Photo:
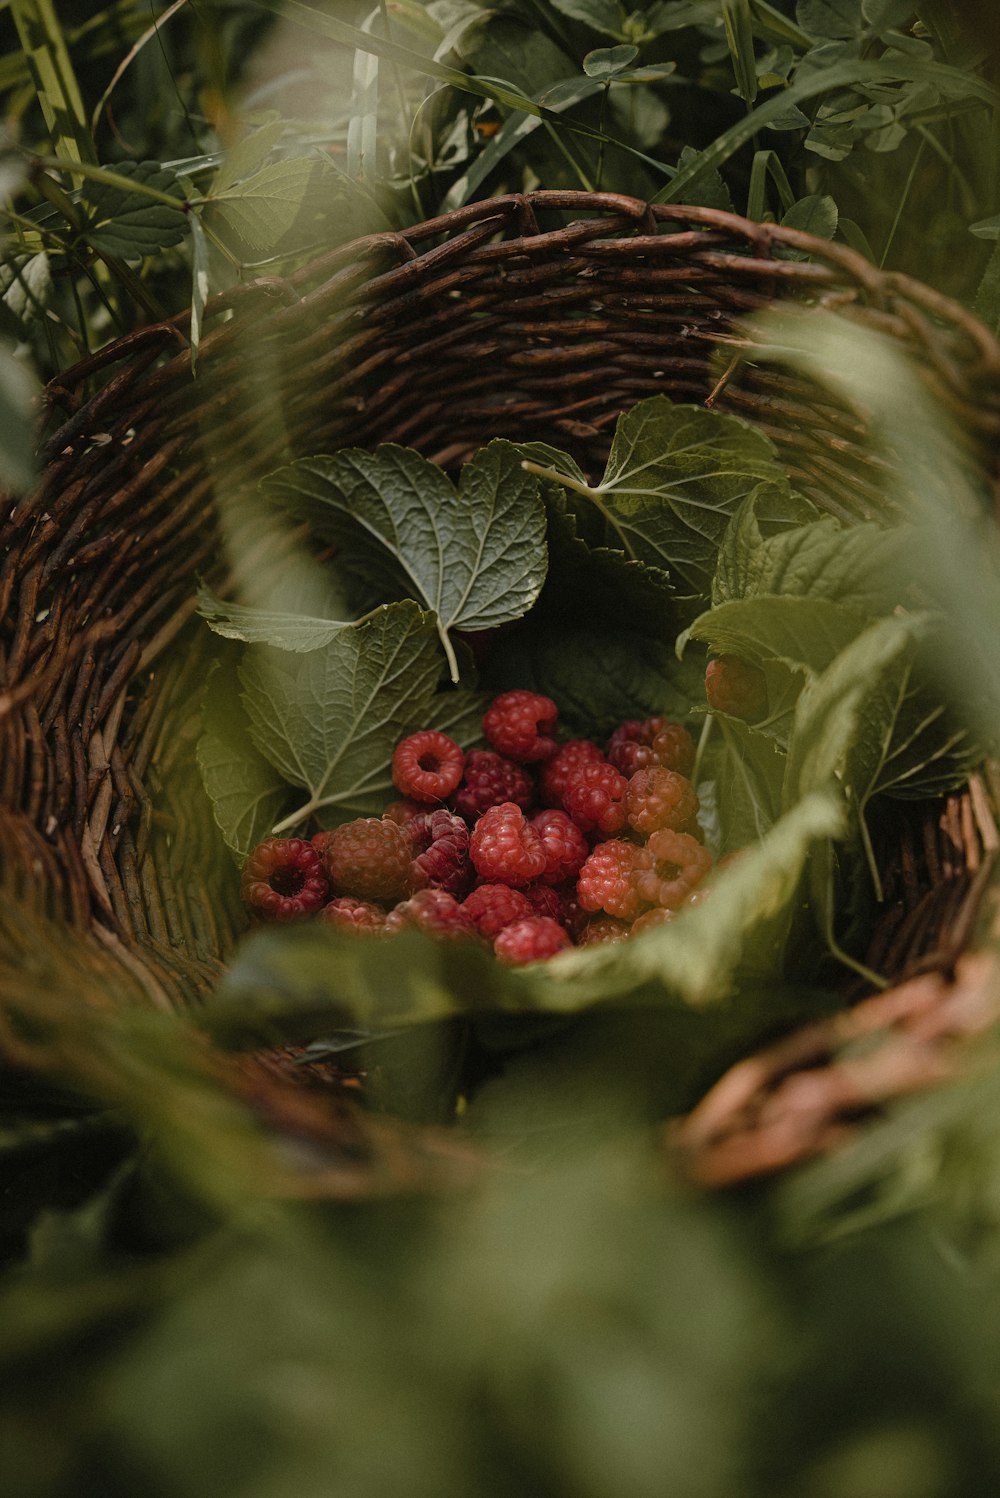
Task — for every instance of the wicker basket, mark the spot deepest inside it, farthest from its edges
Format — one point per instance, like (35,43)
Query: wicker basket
(526,317)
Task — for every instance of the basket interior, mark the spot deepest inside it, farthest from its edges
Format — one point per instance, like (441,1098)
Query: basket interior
(538,318)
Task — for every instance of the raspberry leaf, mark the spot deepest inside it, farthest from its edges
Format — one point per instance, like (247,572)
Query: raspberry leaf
(328,720)
(855,567)
(674,478)
(246,792)
(475,556)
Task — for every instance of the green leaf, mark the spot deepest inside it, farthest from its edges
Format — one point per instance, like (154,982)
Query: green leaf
(600,677)
(329,720)
(881,14)
(128,224)
(804,633)
(476,556)
(18,391)
(246,792)
(236,621)
(605,16)
(986,228)
(833,716)
(263,208)
(199,285)
(675,476)
(710,189)
(858,567)
(747,769)
(833,18)
(608,62)
(816,214)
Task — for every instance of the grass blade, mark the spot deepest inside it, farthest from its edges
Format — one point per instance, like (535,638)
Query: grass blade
(739,35)
(828,81)
(44,45)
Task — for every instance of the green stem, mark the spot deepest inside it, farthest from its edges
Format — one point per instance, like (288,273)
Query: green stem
(706,734)
(109,178)
(292,820)
(449,651)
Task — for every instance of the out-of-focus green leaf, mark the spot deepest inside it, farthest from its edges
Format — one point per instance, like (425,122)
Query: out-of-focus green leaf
(129,224)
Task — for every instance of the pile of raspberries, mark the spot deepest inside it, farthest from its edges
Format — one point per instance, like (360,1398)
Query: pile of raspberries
(533,845)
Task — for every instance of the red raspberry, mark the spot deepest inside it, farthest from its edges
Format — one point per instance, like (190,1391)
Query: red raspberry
(567,759)
(490,780)
(669,867)
(559,903)
(445,862)
(734,686)
(603,928)
(531,940)
(284,879)
(348,914)
(521,724)
(427,766)
(660,798)
(433,911)
(607,880)
(674,747)
(491,907)
(594,798)
(370,858)
(564,844)
(655,741)
(505,848)
(404,813)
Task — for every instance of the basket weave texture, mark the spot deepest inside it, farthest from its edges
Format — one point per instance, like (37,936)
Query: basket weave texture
(528,317)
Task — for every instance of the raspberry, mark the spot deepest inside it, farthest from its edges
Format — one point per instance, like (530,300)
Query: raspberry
(607,880)
(370,858)
(530,940)
(505,848)
(405,813)
(489,780)
(656,741)
(602,928)
(670,866)
(674,747)
(520,725)
(491,907)
(656,798)
(559,904)
(433,911)
(427,766)
(594,796)
(348,914)
(658,916)
(568,758)
(444,863)
(734,686)
(564,844)
(284,879)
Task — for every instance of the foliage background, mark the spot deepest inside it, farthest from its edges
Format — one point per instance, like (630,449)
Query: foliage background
(183,1309)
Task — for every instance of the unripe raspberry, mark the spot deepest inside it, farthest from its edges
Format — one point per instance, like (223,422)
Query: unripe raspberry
(568,758)
(505,848)
(656,798)
(594,797)
(490,780)
(674,747)
(658,916)
(669,867)
(564,844)
(736,687)
(531,940)
(491,907)
(427,766)
(603,928)
(521,725)
(370,858)
(284,879)
(607,880)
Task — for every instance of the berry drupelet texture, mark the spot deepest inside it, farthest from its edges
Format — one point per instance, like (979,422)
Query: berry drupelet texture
(444,861)
(521,726)
(531,940)
(358,916)
(594,797)
(491,907)
(427,766)
(607,880)
(490,780)
(370,858)
(505,848)
(657,798)
(736,687)
(564,845)
(284,879)
(568,758)
(432,911)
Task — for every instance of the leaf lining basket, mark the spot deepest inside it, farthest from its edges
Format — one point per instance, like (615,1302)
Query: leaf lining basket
(537,317)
